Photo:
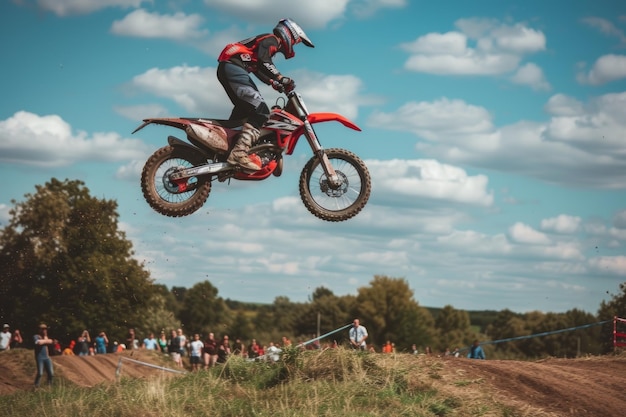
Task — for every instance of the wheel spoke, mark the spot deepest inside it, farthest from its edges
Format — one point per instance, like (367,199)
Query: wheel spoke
(345,196)
(167,190)
(174,198)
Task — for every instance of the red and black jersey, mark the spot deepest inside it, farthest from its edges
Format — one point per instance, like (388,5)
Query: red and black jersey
(254,55)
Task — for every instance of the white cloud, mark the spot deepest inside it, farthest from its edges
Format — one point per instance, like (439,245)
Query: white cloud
(130,171)
(141,111)
(614,265)
(599,129)
(74,7)
(530,74)
(4,214)
(368,8)
(195,89)
(308,14)
(619,220)
(333,93)
(49,141)
(522,233)
(563,105)
(442,120)
(563,224)
(577,138)
(474,243)
(499,49)
(143,24)
(605,26)
(607,68)
(428,179)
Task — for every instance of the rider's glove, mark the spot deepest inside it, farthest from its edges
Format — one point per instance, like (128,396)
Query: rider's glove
(285,84)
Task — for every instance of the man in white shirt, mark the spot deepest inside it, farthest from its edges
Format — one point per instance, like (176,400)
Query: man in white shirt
(5,338)
(358,334)
(273,352)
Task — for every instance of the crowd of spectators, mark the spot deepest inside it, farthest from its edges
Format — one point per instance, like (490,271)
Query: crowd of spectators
(206,352)
(199,352)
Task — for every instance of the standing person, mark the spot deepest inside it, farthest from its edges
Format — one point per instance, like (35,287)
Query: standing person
(273,352)
(195,352)
(286,342)
(358,335)
(173,349)
(150,342)
(132,343)
(223,350)
(183,342)
(162,342)
(253,349)
(101,343)
(42,355)
(254,55)
(240,349)
(414,350)
(5,338)
(476,351)
(16,339)
(210,351)
(83,343)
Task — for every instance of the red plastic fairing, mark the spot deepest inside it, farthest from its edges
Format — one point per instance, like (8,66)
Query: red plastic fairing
(319,118)
(327,117)
(263,173)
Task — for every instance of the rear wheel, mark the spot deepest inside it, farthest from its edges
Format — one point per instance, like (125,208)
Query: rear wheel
(174,199)
(335,203)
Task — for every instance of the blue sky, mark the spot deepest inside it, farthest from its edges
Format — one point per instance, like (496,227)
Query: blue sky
(493,131)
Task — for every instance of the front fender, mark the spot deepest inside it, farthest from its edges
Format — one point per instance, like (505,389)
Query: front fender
(328,117)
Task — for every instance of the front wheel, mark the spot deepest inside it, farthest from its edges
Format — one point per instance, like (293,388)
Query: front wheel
(335,203)
(174,199)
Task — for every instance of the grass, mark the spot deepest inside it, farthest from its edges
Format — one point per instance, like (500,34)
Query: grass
(312,383)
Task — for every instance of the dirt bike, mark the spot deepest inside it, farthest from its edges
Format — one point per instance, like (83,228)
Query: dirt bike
(176,180)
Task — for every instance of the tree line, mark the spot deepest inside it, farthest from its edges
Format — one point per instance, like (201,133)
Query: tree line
(66,263)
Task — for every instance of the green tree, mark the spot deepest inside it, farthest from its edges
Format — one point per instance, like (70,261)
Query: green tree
(157,317)
(453,327)
(507,324)
(66,262)
(389,312)
(242,327)
(333,312)
(202,309)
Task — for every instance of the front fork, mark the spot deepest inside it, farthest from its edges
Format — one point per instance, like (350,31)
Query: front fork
(311,137)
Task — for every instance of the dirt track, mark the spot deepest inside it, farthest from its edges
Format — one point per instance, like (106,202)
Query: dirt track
(559,387)
(554,387)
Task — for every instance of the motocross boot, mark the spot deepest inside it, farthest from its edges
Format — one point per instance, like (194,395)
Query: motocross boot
(239,155)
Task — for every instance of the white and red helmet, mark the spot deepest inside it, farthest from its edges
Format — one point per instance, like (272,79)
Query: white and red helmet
(290,34)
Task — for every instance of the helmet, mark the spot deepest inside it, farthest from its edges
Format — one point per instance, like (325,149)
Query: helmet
(290,34)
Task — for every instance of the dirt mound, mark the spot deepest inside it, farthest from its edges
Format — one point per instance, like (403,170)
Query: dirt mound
(17,368)
(554,387)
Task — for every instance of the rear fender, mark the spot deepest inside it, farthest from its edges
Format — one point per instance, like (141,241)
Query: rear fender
(177,122)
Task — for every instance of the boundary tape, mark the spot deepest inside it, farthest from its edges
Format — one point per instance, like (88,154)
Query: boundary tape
(118,370)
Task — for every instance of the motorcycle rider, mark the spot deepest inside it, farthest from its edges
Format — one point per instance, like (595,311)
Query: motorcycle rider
(254,55)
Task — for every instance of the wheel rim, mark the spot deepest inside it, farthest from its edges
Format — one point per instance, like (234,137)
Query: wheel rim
(174,191)
(339,197)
